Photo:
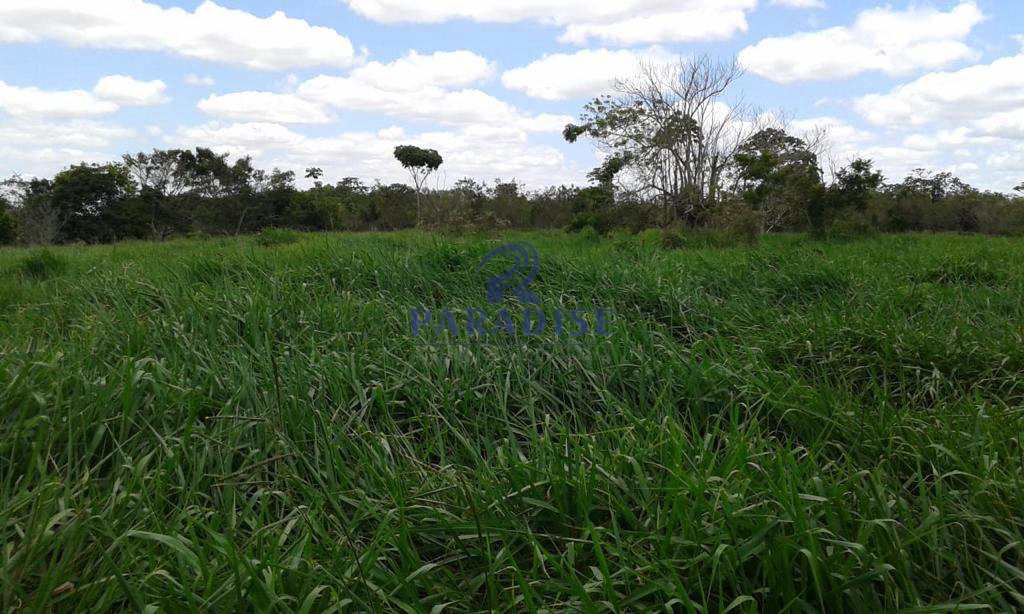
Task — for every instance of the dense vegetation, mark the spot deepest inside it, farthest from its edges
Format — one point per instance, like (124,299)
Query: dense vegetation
(776,187)
(225,424)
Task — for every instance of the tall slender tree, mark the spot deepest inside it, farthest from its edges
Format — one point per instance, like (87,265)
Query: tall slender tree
(420,163)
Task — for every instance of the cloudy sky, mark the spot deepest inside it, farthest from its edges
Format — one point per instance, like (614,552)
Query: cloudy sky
(490,83)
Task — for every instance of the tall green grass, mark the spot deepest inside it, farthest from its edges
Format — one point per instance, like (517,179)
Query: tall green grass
(247,425)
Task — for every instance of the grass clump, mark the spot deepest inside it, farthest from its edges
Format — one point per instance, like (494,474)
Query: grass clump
(963,273)
(274,237)
(204,426)
(41,265)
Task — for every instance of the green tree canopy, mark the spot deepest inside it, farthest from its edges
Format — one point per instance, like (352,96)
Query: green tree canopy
(418,159)
(778,175)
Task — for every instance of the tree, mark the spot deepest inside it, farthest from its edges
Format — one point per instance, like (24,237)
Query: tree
(208,174)
(855,184)
(604,175)
(315,173)
(159,176)
(939,201)
(159,173)
(420,163)
(672,130)
(935,187)
(1019,188)
(84,195)
(778,175)
(849,195)
(29,203)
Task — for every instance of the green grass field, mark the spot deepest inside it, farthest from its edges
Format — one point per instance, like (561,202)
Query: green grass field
(248,425)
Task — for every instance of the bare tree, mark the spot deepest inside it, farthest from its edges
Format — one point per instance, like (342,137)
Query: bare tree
(674,131)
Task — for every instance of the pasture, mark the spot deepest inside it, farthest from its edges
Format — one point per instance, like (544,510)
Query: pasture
(249,424)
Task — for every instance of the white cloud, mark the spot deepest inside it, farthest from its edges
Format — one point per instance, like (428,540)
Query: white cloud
(881,39)
(77,133)
(838,132)
(972,93)
(1009,161)
(211,32)
(264,107)
(977,116)
(199,81)
(415,71)
(47,160)
(250,138)
(800,4)
(450,107)
(108,96)
(703,22)
(414,88)
(946,139)
(39,148)
(20,101)
(560,76)
(130,92)
(1009,125)
(624,22)
(461,107)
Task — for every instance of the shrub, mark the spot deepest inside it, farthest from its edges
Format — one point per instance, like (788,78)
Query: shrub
(272,237)
(679,237)
(589,234)
(649,238)
(601,223)
(738,222)
(41,265)
(671,238)
(393,206)
(1001,217)
(849,224)
(8,229)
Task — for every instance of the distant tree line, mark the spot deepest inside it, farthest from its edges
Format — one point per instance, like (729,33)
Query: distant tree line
(673,142)
(675,155)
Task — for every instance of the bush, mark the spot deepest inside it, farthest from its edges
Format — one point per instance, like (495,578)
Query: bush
(394,206)
(679,237)
(589,234)
(8,229)
(738,222)
(849,224)
(272,237)
(671,238)
(649,238)
(41,265)
(601,223)
(1001,217)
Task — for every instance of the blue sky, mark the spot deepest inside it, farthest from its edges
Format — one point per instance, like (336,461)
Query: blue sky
(338,83)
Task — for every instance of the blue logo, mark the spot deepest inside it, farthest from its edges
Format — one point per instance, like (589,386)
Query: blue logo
(526,265)
(532,320)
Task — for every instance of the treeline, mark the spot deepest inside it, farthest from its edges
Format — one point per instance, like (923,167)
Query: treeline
(775,185)
(180,192)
